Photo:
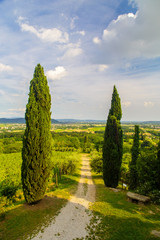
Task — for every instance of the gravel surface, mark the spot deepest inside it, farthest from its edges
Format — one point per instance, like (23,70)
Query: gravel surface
(75,216)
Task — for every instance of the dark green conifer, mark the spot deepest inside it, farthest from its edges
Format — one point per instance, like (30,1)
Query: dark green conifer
(133,164)
(158,151)
(116,109)
(36,150)
(158,167)
(113,143)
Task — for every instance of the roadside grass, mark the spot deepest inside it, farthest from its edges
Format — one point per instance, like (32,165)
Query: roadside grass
(22,221)
(115,218)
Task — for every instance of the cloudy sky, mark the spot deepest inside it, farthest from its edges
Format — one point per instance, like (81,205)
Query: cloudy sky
(85,47)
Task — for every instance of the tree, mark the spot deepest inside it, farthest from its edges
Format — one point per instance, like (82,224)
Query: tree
(116,109)
(158,166)
(36,150)
(133,182)
(113,143)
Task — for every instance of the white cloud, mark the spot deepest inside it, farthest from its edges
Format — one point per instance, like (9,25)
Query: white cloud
(132,35)
(17,110)
(126,104)
(58,73)
(148,104)
(72,24)
(96,40)
(45,34)
(71,53)
(2,93)
(81,33)
(102,67)
(5,68)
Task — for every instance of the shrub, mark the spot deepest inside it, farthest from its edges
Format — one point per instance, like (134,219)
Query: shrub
(148,175)
(8,189)
(96,162)
(67,162)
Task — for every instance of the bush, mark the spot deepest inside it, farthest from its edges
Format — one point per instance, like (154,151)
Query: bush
(9,191)
(68,162)
(68,167)
(147,168)
(96,162)
(155,196)
(148,175)
(4,202)
(2,216)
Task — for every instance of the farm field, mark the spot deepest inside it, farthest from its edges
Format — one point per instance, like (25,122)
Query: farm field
(68,143)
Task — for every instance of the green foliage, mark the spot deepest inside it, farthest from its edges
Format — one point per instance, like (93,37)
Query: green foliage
(116,105)
(36,151)
(8,191)
(127,147)
(124,170)
(112,152)
(148,144)
(13,147)
(76,141)
(133,179)
(148,173)
(66,162)
(97,162)
(65,143)
(158,152)
(10,145)
(10,169)
(112,148)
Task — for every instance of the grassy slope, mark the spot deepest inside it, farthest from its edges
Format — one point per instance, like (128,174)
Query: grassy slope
(23,220)
(121,219)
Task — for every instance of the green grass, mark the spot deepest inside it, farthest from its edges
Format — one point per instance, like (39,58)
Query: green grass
(121,219)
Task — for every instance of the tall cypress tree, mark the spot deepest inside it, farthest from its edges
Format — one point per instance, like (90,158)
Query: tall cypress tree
(158,166)
(36,150)
(113,143)
(133,164)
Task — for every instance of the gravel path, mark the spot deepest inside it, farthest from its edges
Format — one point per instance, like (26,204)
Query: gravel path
(74,217)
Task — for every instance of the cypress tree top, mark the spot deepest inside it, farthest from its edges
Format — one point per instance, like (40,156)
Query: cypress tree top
(116,109)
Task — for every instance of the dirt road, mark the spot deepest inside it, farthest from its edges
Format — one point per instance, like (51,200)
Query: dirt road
(73,218)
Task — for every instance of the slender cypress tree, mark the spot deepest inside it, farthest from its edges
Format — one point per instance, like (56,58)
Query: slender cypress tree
(158,151)
(36,150)
(116,109)
(158,167)
(133,182)
(113,143)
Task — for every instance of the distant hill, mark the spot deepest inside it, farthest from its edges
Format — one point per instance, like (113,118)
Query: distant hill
(79,121)
(142,122)
(72,121)
(19,120)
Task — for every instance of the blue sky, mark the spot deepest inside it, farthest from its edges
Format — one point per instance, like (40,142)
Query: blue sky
(85,47)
